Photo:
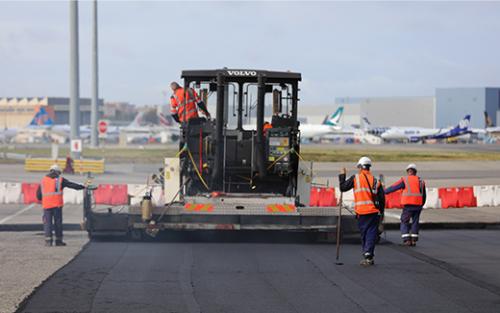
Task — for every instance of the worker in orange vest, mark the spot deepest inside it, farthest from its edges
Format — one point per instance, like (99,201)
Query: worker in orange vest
(369,203)
(184,104)
(266,126)
(50,192)
(413,199)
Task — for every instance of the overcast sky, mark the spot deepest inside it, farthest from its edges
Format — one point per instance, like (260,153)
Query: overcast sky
(341,49)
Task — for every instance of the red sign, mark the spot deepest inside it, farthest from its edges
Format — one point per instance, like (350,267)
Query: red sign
(102,126)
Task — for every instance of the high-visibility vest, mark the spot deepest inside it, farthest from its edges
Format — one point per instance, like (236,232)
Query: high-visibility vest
(52,192)
(266,127)
(413,194)
(186,110)
(363,195)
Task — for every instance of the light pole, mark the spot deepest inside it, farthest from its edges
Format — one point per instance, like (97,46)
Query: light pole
(74,80)
(94,111)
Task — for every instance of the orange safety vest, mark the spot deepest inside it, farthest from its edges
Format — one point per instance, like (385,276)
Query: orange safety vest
(266,127)
(413,193)
(52,192)
(363,195)
(186,110)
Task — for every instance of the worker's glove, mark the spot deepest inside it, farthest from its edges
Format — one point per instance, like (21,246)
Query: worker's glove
(91,187)
(176,117)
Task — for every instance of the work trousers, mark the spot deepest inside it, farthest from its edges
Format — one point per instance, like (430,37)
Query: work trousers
(410,222)
(368,226)
(52,220)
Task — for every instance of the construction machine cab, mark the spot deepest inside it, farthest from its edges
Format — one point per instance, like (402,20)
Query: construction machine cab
(238,152)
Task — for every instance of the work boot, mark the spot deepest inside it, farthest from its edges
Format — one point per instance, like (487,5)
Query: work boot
(368,259)
(60,243)
(48,242)
(407,243)
(413,243)
(367,262)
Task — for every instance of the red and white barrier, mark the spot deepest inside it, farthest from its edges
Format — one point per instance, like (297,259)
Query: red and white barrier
(496,196)
(29,192)
(12,193)
(393,200)
(72,196)
(314,196)
(449,197)
(466,197)
(347,197)
(136,192)
(123,194)
(485,195)
(119,195)
(157,196)
(432,200)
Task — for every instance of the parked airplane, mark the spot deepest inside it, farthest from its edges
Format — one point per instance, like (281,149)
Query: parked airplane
(331,124)
(7,134)
(374,130)
(416,134)
(163,132)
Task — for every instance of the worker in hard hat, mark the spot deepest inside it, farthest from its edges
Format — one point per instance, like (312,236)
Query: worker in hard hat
(184,104)
(413,199)
(369,202)
(50,192)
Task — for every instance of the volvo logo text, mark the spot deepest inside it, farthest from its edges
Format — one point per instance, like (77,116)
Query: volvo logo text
(242,73)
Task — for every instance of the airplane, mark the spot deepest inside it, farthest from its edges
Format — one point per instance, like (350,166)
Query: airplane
(331,124)
(137,132)
(417,134)
(37,129)
(374,130)
(7,134)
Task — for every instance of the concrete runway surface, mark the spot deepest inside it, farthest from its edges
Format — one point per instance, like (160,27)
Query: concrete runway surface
(449,271)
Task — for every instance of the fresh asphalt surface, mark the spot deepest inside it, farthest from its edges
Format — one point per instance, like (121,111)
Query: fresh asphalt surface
(449,271)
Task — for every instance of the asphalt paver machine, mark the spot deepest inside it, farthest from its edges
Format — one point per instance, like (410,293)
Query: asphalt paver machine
(241,170)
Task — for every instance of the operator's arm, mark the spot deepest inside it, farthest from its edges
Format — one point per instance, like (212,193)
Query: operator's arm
(201,104)
(346,185)
(71,185)
(39,193)
(203,108)
(424,193)
(400,184)
(380,198)
(173,109)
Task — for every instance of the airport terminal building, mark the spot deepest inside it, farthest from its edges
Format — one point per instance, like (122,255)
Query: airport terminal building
(18,112)
(445,109)
(454,103)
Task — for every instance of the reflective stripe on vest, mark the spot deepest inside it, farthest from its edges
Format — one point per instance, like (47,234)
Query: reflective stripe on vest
(413,191)
(363,195)
(52,192)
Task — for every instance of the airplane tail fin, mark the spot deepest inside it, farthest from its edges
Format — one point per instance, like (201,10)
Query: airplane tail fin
(487,120)
(137,120)
(366,123)
(164,120)
(41,118)
(334,119)
(464,123)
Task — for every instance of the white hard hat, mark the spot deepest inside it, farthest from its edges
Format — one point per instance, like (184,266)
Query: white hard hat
(411,166)
(364,161)
(55,168)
